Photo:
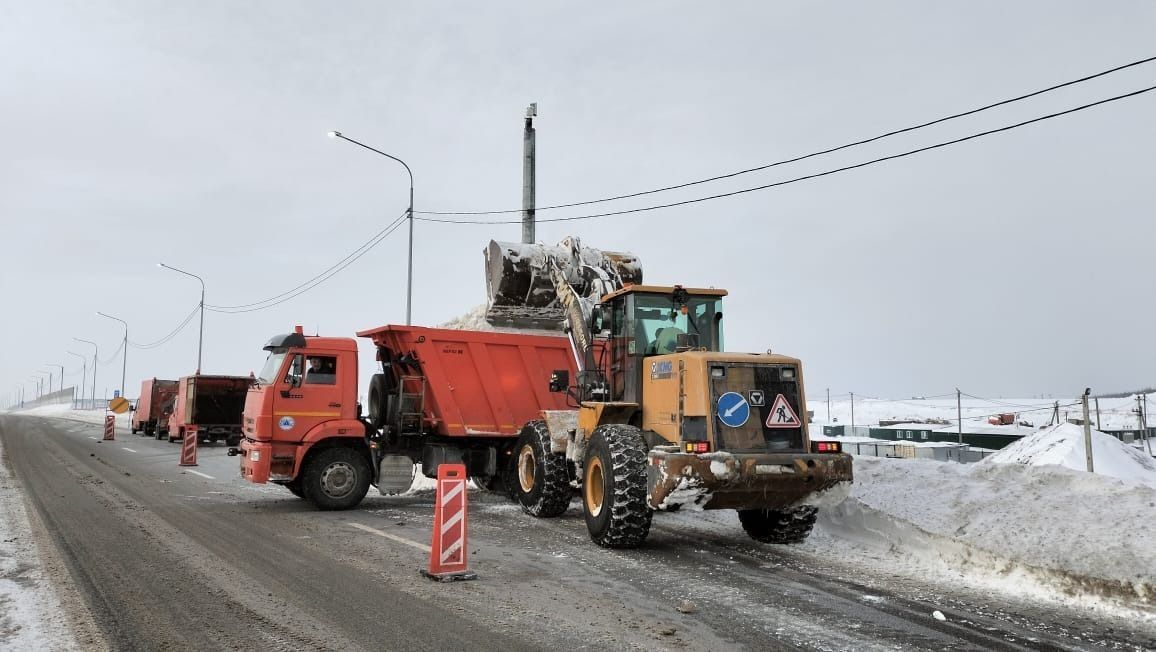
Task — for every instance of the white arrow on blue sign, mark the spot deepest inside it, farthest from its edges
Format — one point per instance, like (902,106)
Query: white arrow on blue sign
(733,409)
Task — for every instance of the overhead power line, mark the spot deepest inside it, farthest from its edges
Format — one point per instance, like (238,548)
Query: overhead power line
(112,356)
(809,176)
(329,273)
(164,340)
(796,159)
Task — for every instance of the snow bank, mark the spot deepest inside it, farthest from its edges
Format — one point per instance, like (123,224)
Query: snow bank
(1063,445)
(1046,528)
(31,616)
(66,412)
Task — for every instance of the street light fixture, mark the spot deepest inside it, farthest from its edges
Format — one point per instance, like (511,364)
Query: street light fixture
(201,336)
(95,354)
(83,373)
(124,359)
(409,215)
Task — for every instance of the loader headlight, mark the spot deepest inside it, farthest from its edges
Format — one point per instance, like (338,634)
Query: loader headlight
(718,372)
(788,373)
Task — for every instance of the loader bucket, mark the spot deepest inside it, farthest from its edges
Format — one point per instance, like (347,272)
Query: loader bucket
(522,293)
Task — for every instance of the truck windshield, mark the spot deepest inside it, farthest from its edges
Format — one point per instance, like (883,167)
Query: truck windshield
(659,320)
(272,366)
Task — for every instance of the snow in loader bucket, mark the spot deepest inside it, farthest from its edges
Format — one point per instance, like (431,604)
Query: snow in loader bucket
(522,293)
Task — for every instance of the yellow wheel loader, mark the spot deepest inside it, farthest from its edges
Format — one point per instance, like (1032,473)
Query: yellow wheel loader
(663,417)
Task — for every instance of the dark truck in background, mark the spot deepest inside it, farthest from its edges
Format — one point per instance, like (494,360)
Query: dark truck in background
(211,407)
(154,407)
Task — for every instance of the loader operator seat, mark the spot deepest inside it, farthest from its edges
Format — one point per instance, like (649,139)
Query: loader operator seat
(666,340)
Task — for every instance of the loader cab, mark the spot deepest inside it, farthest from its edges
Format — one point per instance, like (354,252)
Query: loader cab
(644,321)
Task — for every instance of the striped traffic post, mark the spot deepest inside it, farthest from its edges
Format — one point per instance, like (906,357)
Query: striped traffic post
(449,551)
(109,427)
(189,448)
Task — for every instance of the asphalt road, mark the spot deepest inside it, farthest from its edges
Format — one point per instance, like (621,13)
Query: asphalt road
(159,557)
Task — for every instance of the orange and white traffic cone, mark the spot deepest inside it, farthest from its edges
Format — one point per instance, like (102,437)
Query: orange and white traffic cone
(449,554)
(189,448)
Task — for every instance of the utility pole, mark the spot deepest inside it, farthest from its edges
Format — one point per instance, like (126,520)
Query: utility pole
(1142,421)
(959,413)
(852,413)
(1097,413)
(1087,431)
(1147,439)
(828,405)
(529,176)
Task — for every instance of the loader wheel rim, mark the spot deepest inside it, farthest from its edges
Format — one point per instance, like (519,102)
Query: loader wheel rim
(338,479)
(527,468)
(595,492)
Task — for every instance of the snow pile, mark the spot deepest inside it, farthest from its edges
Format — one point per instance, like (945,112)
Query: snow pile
(1042,529)
(1063,445)
(31,616)
(66,412)
(474,320)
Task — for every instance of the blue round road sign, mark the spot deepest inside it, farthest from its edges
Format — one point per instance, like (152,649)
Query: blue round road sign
(733,409)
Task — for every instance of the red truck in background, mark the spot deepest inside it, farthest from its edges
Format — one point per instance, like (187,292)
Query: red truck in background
(445,396)
(209,406)
(154,406)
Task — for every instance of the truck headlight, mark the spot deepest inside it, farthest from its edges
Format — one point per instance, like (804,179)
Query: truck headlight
(255,456)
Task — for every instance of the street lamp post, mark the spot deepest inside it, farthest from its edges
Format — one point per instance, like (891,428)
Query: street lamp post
(83,373)
(201,336)
(124,359)
(409,216)
(95,354)
(61,377)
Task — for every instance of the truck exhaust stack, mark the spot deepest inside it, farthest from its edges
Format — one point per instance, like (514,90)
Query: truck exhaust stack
(521,293)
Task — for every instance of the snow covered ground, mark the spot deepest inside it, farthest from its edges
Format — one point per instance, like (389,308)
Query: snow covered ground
(1047,531)
(30,612)
(1064,445)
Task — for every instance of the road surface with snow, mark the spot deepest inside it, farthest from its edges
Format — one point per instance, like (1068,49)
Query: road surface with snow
(152,556)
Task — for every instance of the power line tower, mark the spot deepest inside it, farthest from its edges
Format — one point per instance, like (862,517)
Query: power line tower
(529,174)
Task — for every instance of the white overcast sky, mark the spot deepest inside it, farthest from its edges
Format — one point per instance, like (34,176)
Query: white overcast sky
(194,133)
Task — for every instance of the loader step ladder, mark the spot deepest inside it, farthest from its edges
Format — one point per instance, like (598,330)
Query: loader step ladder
(411,403)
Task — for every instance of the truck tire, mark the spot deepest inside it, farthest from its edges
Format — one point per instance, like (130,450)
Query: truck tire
(778,525)
(294,487)
(336,478)
(378,394)
(132,428)
(542,477)
(614,487)
(158,433)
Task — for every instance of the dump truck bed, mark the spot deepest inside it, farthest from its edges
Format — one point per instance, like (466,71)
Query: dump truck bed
(211,400)
(480,383)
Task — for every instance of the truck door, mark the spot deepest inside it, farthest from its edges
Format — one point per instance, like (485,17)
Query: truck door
(309,396)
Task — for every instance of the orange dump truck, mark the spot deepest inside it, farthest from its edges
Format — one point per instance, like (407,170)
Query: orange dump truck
(210,407)
(154,406)
(443,396)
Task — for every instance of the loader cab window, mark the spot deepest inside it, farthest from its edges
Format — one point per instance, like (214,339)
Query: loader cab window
(659,320)
(322,370)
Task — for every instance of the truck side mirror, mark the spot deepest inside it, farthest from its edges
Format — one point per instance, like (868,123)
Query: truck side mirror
(560,380)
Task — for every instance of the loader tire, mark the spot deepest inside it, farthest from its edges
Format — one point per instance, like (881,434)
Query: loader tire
(336,478)
(614,487)
(378,393)
(778,525)
(542,478)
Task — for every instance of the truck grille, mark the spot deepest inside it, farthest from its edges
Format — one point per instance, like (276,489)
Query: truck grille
(768,427)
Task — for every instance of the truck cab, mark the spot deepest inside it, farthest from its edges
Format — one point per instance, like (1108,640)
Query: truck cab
(301,405)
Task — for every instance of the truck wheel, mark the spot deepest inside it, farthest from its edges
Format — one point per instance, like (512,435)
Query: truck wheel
(778,526)
(541,479)
(132,428)
(336,478)
(294,487)
(378,393)
(614,487)
(158,434)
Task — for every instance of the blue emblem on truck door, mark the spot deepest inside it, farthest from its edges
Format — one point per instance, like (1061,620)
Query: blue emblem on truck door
(733,409)
(286,423)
